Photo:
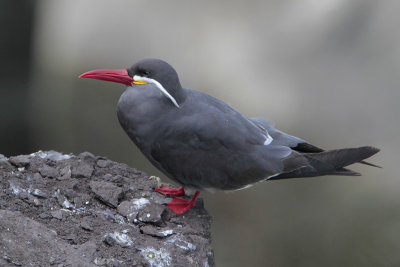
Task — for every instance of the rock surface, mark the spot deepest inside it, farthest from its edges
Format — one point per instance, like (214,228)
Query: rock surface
(66,210)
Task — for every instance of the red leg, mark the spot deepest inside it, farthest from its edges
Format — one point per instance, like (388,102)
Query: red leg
(170,191)
(179,205)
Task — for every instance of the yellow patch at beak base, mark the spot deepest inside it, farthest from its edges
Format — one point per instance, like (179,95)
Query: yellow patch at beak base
(139,82)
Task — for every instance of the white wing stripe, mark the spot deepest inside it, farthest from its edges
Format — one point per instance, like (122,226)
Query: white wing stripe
(268,140)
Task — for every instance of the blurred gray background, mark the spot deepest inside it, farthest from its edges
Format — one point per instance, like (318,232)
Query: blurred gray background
(326,71)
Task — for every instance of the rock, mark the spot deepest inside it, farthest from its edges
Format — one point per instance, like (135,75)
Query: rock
(47,171)
(65,173)
(86,225)
(44,216)
(130,209)
(118,238)
(37,176)
(82,170)
(157,257)
(69,193)
(153,213)
(108,215)
(24,195)
(20,161)
(87,156)
(51,155)
(72,238)
(36,202)
(102,163)
(39,193)
(63,201)
(40,245)
(106,192)
(156,231)
(15,187)
(181,242)
(4,164)
(109,262)
(57,214)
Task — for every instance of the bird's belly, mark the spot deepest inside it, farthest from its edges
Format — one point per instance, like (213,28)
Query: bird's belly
(199,168)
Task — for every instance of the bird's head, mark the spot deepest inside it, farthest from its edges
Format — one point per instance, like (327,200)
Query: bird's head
(146,71)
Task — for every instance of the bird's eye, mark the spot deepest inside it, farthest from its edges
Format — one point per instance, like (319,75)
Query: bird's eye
(146,73)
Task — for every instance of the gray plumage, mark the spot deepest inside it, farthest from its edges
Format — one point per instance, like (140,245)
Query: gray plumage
(204,143)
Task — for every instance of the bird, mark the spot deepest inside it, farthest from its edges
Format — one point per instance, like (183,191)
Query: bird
(202,143)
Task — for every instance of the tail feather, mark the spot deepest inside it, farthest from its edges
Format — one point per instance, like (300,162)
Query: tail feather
(346,172)
(342,157)
(331,162)
(370,164)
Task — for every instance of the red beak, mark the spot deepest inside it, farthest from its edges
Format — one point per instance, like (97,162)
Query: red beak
(117,76)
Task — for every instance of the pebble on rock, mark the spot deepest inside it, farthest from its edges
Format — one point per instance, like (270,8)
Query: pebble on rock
(57,214)
(82,170)
(153,213)
(20,161)
(130,209)
(156,231)
(47,171)
(102,163)
(118,238)
(106,192)
(4,164)
(86,225)
(39,193)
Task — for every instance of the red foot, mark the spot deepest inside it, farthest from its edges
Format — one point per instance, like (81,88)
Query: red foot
(170,191)
(179,205)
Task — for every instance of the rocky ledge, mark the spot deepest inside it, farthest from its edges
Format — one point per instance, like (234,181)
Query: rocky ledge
(66,210)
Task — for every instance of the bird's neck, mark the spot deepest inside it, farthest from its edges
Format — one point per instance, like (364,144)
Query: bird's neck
(179,94)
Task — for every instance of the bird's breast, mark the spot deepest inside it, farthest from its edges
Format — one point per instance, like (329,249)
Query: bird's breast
(142,112)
